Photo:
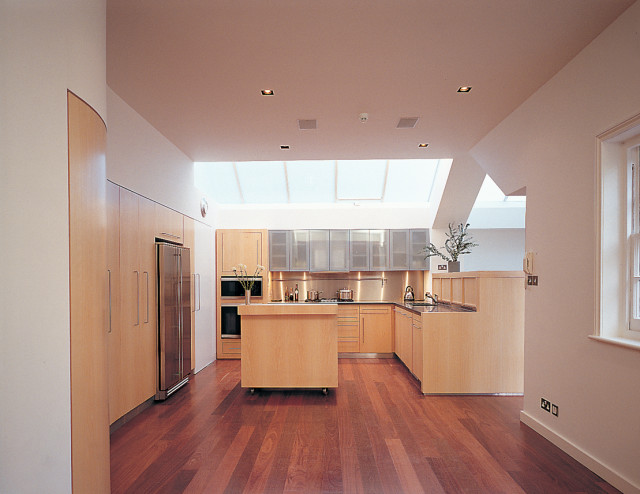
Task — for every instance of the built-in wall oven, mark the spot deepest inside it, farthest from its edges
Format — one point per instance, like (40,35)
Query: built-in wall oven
(229,321)
(230,287)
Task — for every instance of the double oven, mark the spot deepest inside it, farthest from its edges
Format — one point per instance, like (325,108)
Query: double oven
(231,292)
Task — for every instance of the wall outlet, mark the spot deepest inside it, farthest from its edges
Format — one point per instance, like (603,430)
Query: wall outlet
(532,280)
(442,267)
(554,409)
(545,404)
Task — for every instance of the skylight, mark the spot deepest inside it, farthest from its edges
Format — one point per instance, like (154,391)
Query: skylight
(417,181)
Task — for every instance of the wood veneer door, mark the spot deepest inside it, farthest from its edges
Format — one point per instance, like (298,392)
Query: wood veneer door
(241,247)
(114,333)
(88,298)
(190,242)
(375,330)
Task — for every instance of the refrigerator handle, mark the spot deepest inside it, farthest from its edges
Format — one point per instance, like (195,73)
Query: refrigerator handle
(137,298)
(109,291)
(147,276)
(180,318)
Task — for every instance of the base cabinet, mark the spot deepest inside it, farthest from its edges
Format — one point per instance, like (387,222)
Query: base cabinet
(376,329)
(417,347)
(404,336)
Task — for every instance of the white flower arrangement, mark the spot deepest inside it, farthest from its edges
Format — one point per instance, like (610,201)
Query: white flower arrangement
(243,277)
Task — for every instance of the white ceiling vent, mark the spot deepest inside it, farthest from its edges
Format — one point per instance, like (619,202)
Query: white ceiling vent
(407,123)
(307,124)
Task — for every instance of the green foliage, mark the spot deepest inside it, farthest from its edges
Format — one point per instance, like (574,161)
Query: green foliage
(458,242)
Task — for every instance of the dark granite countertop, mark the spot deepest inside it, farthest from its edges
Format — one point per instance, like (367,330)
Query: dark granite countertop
(412,306)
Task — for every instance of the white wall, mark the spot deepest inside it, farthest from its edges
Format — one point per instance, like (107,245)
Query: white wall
(499,249)
(144,161)
(45,49)
(548,144)
(141,159)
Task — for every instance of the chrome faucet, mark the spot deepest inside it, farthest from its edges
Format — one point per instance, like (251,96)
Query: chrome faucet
(432,297)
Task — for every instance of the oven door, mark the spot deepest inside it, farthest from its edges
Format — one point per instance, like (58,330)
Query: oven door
(230,287)
(229,321)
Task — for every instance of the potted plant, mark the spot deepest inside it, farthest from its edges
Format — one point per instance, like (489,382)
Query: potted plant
(458,242)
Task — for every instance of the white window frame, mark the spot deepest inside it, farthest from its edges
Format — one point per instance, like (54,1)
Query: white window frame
(633,219)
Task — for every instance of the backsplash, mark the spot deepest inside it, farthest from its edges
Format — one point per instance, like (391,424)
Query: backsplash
(367,286)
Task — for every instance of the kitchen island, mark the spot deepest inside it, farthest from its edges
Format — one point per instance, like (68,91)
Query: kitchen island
(289,346)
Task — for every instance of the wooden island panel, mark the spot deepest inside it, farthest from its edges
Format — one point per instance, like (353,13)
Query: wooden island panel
(289,346)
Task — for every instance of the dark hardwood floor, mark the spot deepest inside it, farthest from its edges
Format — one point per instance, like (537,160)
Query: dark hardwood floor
(375,433)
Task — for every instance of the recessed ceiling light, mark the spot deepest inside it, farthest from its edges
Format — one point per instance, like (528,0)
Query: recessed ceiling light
(285,146)
(464,89)
(267,92)
(423,145)
(407,123)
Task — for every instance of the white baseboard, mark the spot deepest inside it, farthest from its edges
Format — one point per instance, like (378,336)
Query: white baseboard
(600,469)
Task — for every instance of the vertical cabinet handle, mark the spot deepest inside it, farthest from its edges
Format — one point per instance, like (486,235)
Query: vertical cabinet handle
(198,306)
(193,293)
(147,276)
(363,330)
(137,298)
(109,295)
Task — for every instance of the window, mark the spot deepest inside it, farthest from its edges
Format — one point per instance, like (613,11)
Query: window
(618,236)
(633,216)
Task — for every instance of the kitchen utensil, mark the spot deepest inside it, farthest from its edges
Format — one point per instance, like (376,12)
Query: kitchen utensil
(344,294)
(313,295)
(408,293)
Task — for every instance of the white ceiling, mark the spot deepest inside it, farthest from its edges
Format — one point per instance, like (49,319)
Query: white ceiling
(194,70)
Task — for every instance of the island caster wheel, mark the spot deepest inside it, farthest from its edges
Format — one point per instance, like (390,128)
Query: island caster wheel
(325,391)
(252,390)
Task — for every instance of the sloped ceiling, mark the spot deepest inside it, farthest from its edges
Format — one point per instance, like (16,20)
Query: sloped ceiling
(194,70)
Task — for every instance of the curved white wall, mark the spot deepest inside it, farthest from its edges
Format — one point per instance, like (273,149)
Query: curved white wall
(45,49)
(549,144)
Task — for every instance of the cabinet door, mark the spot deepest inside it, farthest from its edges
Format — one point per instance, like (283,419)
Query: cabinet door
(398,250)
(416,365)
(319,250)
(240,247)
(299,258)
(376,335)
(339,250)
(168,224)
(419,239)
(189,242)
(406,340)
(279,250)
(359,250)
(397,324)
(379,250)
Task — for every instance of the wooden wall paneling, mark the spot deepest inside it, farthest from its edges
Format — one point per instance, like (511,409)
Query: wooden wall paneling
(456,290)
(436,286)
(470,292)
(446,290)
(88,288)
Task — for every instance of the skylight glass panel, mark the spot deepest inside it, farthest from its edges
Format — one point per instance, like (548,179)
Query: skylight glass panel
(262,182)
(311,181)
(410,180)
(490,192)
(218,181)
(361,179)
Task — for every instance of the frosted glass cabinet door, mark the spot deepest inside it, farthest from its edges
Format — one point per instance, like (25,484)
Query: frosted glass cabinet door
(359,247)
(278,250)
(379,250)
(419,240)
(299,259)
(319,250)
(339,250)
(399,250)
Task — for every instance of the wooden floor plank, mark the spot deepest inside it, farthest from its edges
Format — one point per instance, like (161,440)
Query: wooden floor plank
(375,433)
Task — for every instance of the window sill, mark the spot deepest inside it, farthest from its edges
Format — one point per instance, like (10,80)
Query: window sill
(617,341)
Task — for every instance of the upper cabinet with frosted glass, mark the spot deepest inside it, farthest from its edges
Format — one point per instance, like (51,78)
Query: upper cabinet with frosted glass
(348,250)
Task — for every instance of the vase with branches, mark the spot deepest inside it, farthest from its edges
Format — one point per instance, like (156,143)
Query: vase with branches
(247,282)
(458,242)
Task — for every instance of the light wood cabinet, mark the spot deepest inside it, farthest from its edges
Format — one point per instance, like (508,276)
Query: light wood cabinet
(240,247)
(376,329)
(417,346)
(348,321)
(168,224)
(138,343)
(404,336)
(117,376)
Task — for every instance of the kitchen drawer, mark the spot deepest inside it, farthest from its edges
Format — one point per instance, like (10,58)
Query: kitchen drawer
(348,311)
(348,331)
(231,346)
(348,346)
(375,309)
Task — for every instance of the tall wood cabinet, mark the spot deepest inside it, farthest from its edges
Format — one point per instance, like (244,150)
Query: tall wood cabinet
(190,242)
(88,298)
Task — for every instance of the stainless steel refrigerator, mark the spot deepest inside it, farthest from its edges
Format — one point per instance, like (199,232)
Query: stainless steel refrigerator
(174,318)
